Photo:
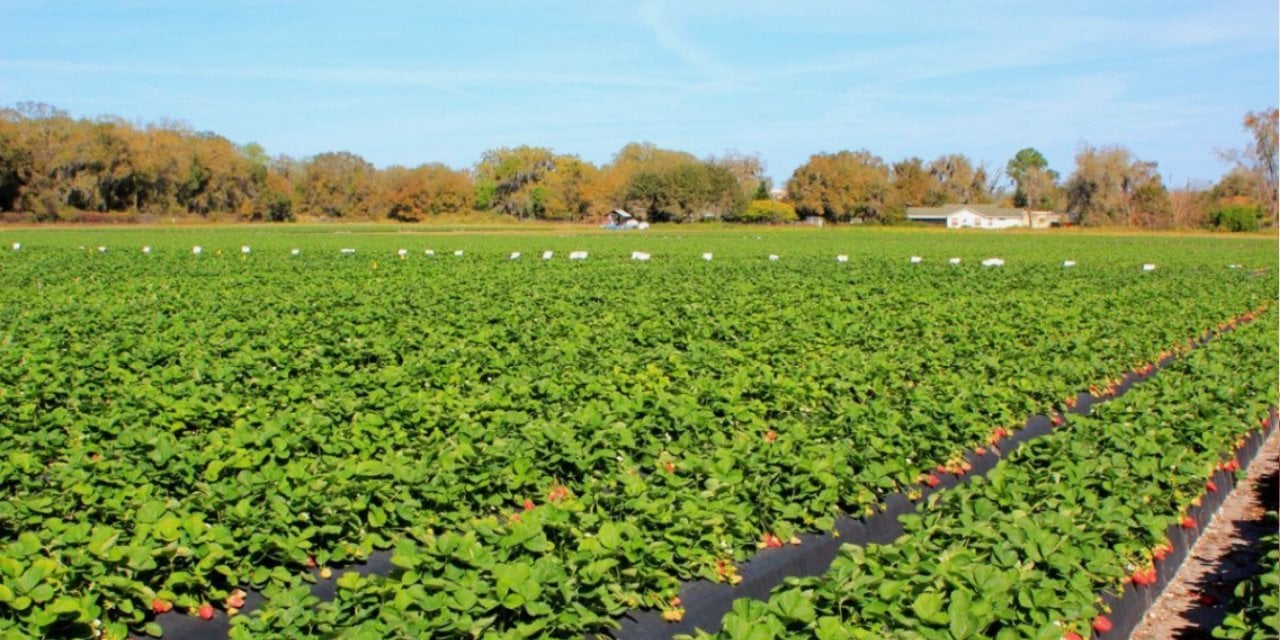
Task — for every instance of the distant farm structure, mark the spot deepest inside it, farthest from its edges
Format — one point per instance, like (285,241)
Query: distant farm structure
(980,216)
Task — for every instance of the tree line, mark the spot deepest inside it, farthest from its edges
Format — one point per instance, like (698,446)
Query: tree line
(54,167)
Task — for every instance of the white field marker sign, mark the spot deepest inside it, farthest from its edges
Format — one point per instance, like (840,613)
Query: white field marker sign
(346,251)
(954,261)
(102,249)
(708,256)
(640,255)
(403,253)
(578,255)
(146,249)
(916,259)
(842,258)
(515,255)
(1230,266)
(547,255)
(1148,267)
(993,262)
(429,253)
(773,257)
(294,252)
(1068,263)
(458,253)
(197,250)
(17,246)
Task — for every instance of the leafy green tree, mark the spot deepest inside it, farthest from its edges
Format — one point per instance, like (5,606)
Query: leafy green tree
(684,191)
(507,180)
(844,186)
(1034,182)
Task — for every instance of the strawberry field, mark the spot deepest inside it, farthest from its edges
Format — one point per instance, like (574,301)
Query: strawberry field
(545,444)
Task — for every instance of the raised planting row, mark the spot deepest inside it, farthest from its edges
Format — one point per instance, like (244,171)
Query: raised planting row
(1254,614)
(545,446)
(1027,551)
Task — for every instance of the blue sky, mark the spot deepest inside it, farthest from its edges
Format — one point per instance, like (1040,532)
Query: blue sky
(410,82)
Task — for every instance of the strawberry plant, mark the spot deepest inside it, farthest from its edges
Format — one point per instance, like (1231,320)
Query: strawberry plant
(1254,613)
(588,435)
(1026,551)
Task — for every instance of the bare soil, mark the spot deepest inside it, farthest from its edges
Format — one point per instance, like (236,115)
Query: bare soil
(1227,552)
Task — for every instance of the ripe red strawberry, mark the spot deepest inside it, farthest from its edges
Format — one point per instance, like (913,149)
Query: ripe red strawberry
(1211,486)
(161,606)
(770,435)
(558,493)
(1233,466)
(1101,624)
(675,602)
(771,541)
(1056,419)
(1161,551)
(528,504)
(1144,577)
(1188,522)
(206,611)
(669,466)
(235,600)
(1071,635)
(982,451)
(932,480)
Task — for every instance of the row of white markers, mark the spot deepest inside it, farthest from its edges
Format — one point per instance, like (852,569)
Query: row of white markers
(635,255)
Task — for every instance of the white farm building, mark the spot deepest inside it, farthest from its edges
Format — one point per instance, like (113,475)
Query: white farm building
(984,216)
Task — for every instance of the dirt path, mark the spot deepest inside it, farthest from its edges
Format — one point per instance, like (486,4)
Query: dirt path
(1226,553)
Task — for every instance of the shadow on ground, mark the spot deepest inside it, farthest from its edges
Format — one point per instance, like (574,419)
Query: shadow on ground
(1236,563)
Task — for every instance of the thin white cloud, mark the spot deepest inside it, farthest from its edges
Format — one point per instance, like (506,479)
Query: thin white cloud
(657,19)
(461,83)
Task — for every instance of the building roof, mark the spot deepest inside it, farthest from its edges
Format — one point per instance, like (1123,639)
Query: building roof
(984,210)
